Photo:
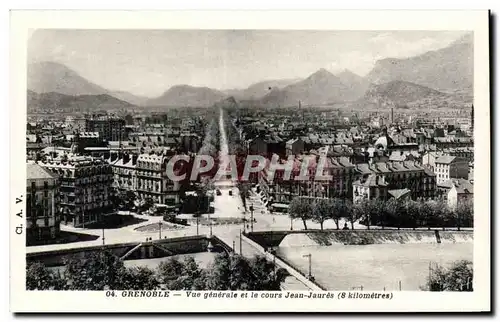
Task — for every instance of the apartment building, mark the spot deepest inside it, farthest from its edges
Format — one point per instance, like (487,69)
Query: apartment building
(401,175)
(279,191)
(42,205)
(451,167)
(85,187)
(153,182)
(109,128)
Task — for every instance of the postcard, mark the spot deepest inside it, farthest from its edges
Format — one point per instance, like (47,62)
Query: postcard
(250,161)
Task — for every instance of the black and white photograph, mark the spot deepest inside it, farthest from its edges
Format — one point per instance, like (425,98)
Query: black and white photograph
(293,164)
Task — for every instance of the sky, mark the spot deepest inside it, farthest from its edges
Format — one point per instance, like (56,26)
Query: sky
(148,62)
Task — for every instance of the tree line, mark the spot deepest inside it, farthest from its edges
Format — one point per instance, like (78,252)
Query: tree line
(456,278)
(105,271)
(391,213)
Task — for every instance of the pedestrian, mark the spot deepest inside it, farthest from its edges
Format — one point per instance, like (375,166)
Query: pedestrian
(274,220)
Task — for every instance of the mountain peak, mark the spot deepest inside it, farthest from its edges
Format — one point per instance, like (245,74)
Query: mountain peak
(467,38)
(322,72)
(448,69)
(49,76)
(187,95)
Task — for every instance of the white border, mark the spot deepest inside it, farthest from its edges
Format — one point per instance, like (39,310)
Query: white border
(23,301)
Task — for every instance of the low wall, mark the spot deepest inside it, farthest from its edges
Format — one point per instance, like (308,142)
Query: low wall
(136,250)
(358,237)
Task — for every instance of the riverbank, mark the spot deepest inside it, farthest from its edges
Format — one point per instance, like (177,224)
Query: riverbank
(369,237)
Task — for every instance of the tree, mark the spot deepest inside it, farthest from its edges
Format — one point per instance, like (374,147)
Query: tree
(39,277)
(353,214)
(267,277)
(436,213)
(463,214)
(377,212)
(169,273)
(394,211)
(427,213)
(241,277)
(321,211)
(98,271)
(456,278)
(337,210)
(413,213)
(130,198)
(147,203)
(219,273)
(364,209)
(139,278)
(193,277)
(300,208)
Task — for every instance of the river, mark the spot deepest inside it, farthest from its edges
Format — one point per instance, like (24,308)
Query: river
(374,267)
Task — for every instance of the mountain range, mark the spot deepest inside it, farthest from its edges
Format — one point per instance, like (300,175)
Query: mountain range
(449,69)
(260,89)
(395,81)
(400,93)
(185,95)
(54,101)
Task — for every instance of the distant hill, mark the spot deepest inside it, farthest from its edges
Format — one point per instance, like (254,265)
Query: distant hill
(67,103)
(401,94)
(46,77)
(129,97)
(358,85)
(322,87)
(450,69)
(260,89)
(185,95)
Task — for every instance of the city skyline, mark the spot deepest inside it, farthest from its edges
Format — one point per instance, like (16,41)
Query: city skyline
(161,59)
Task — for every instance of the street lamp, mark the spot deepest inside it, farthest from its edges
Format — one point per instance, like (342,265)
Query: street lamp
(272,250)
(241,244)
(210,224)
(251,217)
(309,275)
(160,224)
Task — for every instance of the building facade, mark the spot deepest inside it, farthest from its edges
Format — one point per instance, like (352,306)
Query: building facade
(124,173)
(153,182)
(449,167)
(42,205)
(109,128)
(401,175)
(85,188)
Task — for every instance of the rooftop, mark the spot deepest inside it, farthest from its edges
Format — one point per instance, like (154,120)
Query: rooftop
(35,171)
(447,159)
